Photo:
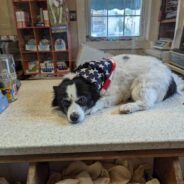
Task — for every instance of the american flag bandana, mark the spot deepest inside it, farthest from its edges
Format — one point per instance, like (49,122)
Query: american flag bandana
(98,73)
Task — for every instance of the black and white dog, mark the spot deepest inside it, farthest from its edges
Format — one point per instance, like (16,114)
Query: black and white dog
(100,84)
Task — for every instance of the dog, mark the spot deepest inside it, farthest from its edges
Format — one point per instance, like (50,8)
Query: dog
(96,85)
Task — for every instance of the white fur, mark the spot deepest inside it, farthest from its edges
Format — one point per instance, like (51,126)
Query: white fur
(71,92)
(143,78)
(74,107)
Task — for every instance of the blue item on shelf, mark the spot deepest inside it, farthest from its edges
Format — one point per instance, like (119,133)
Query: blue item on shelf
(3,102)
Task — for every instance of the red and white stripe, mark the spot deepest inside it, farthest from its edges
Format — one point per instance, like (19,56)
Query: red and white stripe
(108,81)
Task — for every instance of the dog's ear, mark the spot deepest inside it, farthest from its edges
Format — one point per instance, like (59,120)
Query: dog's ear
(54,102)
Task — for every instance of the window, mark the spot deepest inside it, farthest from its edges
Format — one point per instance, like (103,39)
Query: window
(115,18)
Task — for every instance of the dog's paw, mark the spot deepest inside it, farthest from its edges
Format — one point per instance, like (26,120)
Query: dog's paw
(93,111)
(126,109)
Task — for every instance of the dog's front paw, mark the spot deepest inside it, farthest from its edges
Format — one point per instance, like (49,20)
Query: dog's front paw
(126,109)
(93,111)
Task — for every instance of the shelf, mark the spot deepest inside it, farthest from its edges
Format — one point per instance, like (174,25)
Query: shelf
(27,1)
(57,51)
(36,31)
(62,72)
(34,27)
(168,21)
(39,51)
(18,1)
(29,52)
(31,73)
(41,27)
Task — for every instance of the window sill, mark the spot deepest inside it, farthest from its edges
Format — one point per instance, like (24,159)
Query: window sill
(120,44)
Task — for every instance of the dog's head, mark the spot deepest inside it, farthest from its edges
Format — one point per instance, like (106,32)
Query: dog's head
(75,97)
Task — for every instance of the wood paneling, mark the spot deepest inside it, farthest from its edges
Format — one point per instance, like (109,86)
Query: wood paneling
(7,25)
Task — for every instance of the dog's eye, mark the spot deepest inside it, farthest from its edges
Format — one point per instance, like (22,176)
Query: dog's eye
(66,103)
(82,101)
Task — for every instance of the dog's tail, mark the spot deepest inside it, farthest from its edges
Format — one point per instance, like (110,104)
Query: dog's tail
(180,83)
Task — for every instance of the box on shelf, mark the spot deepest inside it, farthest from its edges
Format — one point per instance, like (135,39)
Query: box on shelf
(61,65)
(60,45)
(31,45)
(44,45)
(8,77)
(22,18)
(46,17)
(3,102)
(32,67)
(47,67)
(177,58)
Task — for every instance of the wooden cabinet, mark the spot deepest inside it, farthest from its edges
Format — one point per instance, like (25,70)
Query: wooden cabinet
(167,170)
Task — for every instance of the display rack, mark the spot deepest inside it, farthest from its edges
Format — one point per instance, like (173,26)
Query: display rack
(33,26)
(168,19)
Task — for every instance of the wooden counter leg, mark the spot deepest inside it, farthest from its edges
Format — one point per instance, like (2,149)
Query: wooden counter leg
(168,170)
(38,173)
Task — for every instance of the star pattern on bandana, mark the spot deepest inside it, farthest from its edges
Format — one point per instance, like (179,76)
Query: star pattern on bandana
(95,72)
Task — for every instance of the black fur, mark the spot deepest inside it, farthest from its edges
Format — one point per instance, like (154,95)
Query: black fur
(171,89)
(83,89)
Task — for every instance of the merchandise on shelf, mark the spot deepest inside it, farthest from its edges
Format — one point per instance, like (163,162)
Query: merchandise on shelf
(57,12)
(61,65)
(46,17)
(43,18)
(3,102)
(47,67)
(44,45)
(32,67)
(31,45)
(22,19)
(8,77)
(60,45)
(7,66)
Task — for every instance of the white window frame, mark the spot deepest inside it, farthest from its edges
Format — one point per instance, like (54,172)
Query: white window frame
(151,10)
(114,37)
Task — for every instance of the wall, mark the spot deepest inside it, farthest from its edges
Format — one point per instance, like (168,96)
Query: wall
(74,30)
(7,25)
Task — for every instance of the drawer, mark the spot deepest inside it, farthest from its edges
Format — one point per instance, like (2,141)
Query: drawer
(167,170)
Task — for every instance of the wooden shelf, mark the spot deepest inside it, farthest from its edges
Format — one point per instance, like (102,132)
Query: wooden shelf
(29,52)
(168,21)
(33,7)
(34,27)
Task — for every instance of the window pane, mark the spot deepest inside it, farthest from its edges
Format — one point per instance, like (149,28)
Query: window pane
(99,26)
(115,26)
(132,26)
(132,12)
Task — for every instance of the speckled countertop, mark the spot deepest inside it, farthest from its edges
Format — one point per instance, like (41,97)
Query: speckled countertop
(30,126)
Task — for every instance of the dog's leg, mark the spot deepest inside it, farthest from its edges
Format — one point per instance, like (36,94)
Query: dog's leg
(104,102)
(144,99)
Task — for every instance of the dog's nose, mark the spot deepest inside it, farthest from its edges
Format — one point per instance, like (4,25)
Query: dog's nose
(74,117)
